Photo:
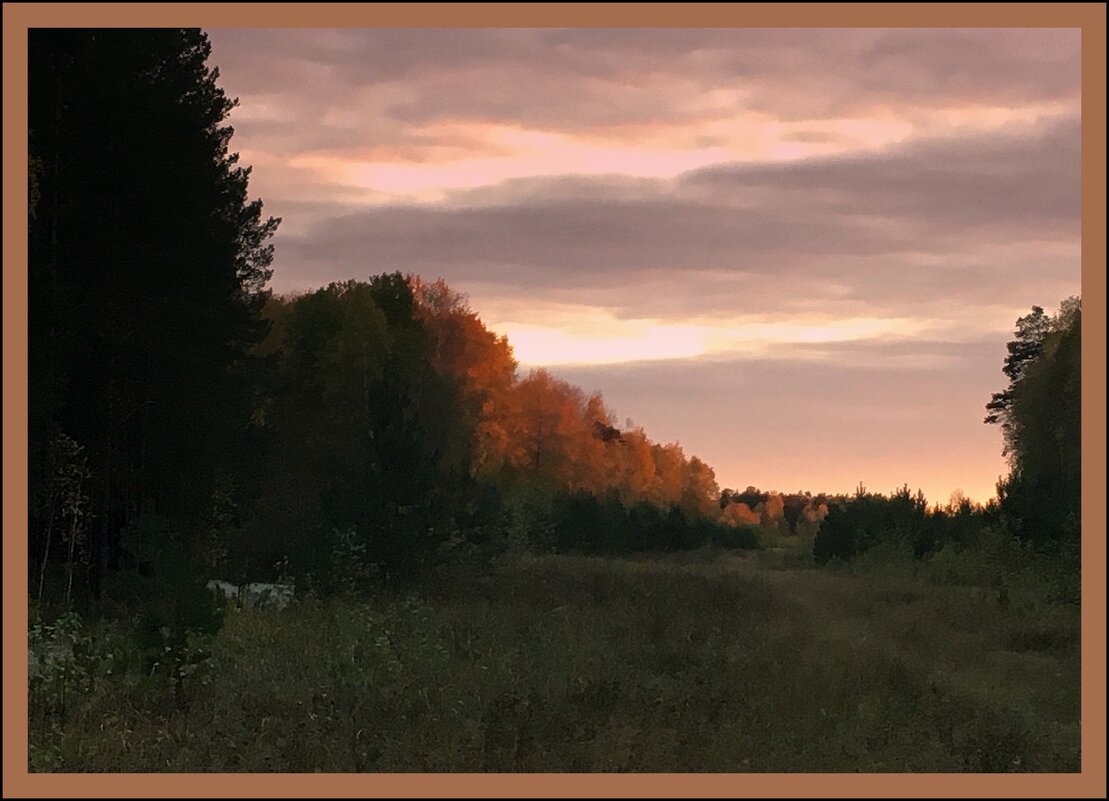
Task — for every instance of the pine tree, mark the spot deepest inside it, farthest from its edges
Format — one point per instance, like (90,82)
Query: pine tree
(148,265)
(1041,416)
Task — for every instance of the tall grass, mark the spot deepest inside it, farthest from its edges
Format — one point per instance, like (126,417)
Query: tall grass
(703,661)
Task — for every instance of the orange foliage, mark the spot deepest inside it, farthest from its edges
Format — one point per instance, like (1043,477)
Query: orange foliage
(773,511)
(540,429)
(700,493)
(775,507)
(479,361)
(740,514)
(814,514)
(670,468)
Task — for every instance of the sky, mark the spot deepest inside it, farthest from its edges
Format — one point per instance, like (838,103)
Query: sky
(799,253)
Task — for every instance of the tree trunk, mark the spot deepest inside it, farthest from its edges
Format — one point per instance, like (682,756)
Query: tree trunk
(73,540)
(46,551)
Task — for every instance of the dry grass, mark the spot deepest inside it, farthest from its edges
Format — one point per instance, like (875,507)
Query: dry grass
(707,661)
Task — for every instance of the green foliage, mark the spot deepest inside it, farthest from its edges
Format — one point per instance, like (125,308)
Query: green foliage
(61,511)
(57,661)
(1041,416)
(993,558)
(1030,333)
(166,595)
(583,523)
(365,437)
(738,537)
(351,571)
(527,520)
(854,525)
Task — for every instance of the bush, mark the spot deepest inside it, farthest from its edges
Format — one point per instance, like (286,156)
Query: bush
(738,537)
(57,662)
(166,591)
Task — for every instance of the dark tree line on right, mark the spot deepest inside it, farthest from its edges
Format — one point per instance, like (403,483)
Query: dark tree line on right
(1039,503)
(1040,414)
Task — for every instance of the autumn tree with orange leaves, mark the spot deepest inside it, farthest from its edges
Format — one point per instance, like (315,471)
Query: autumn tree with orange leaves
(399,422)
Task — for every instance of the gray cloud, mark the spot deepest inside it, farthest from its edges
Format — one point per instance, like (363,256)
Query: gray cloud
(897,230)
(981,217)
(570,80)
(1030,174)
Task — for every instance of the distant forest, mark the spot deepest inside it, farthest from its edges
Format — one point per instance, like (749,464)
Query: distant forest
(188,424)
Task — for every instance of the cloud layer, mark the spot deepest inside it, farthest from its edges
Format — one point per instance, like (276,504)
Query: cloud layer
(806,207)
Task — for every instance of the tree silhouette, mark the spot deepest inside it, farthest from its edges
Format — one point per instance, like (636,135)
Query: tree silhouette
(1041,416)
(147,266)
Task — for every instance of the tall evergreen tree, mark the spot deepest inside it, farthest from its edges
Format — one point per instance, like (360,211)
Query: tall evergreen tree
(1041,415)
(1023,350)
(148,264)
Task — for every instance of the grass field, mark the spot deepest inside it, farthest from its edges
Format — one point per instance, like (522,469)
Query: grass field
(705,661)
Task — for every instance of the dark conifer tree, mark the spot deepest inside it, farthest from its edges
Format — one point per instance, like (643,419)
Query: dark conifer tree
(1041,416)
(148,264)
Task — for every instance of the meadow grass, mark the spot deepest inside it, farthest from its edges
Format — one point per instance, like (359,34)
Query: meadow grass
(704,661)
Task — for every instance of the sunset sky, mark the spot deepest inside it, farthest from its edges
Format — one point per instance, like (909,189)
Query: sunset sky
(799,253)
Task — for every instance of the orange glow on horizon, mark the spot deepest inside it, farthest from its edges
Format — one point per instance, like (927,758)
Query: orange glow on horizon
(589,335)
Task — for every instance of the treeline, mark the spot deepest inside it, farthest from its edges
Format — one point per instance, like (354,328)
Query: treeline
(186,423)
(868,519)
(396,424)
(775,512)
(388,425)
(1038,505)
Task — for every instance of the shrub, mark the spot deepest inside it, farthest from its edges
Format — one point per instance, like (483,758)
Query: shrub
(737,537)
(174,611)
